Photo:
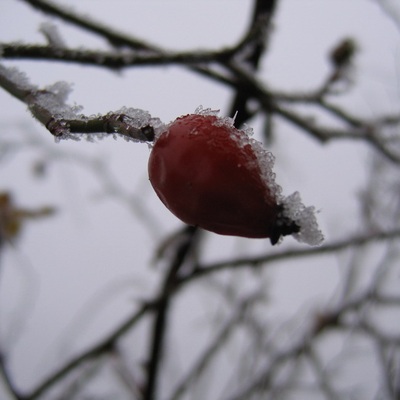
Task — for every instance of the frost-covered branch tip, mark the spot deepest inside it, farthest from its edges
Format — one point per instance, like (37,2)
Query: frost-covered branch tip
(48,105)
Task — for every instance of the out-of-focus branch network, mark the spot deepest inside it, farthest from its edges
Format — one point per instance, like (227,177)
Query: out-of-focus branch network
(268,364)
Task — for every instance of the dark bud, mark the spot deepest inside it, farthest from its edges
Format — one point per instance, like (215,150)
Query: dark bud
(343,53)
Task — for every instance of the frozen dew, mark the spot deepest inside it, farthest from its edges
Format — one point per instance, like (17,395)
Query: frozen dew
(305,218)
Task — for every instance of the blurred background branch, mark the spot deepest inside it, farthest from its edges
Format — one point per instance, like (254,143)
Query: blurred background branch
(320,351)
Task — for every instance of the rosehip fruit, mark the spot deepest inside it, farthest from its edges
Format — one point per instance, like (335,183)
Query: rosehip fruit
(212,175)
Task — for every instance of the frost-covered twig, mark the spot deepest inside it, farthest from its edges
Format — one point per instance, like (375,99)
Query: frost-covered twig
(53,36)
(132,124)
(48,106)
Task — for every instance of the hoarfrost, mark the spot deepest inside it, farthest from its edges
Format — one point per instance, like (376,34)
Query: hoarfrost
(18,78)
(48,105)
(225,121)
(304,217)
(137,119)
(248,130)
(200,110)
(53,98)
(50,31)
(266,161)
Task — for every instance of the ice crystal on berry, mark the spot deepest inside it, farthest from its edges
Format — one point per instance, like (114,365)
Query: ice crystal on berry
(304,217)
(200,110)
(213,175)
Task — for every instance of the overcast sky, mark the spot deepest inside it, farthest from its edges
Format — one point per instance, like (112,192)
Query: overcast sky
(96,240)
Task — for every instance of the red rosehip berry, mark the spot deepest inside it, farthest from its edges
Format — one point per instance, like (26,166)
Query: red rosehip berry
(212,175)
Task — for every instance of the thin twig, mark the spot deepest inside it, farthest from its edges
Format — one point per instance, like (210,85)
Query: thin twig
(97,350)
(85,22)
(221,338)
(110,59)
(183,252)
(8,380)
(262,260)
(300,347)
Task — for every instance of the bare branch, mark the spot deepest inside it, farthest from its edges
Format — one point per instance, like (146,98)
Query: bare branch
(49,107)
(8,380)
(116,59)
(85,22)
(262,260)
(220,339)
(104,346)
(183,253)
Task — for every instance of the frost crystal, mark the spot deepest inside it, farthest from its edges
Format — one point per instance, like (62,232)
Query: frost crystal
(248,130)
(53,98)
(266,161)
(137,119)
(18,78)
(52,35)
(304,217)
(206,111)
